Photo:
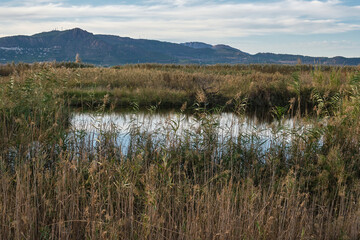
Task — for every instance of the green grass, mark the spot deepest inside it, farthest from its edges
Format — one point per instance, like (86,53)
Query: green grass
(193,187)
(264,86)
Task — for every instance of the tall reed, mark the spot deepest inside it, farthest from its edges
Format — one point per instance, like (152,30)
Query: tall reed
(56,183)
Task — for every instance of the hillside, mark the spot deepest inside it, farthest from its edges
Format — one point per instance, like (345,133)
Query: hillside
(111,50)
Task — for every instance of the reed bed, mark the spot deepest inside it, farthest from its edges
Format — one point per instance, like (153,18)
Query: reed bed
(169,86)
(56,185)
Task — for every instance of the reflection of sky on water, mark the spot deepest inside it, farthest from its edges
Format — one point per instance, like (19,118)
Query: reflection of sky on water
(166,129)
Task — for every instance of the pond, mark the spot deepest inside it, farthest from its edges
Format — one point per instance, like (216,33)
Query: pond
(164,129)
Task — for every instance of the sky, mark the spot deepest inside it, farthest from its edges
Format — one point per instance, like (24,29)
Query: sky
(306,27)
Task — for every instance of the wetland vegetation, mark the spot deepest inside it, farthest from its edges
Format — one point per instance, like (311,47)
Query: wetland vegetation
(167,182)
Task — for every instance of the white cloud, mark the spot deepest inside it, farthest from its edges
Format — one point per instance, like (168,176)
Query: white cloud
(184,20)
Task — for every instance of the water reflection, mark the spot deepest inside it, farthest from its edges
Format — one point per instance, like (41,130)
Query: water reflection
(166,128)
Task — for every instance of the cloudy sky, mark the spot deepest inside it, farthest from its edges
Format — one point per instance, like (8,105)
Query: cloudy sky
(307,27)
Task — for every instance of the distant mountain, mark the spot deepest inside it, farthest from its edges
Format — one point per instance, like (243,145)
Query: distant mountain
(111,50)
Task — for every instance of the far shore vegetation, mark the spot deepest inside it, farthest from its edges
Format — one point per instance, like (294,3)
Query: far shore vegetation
(170,86)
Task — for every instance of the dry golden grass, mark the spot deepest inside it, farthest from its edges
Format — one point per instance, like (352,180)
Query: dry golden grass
(104,200)
(52,187)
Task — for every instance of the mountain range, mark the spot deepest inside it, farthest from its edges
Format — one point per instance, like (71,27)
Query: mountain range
(109,50)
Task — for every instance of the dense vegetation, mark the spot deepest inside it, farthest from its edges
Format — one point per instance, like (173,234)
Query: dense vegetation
(53,187)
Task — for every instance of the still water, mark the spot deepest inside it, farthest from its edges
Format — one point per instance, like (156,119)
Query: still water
(164,129)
